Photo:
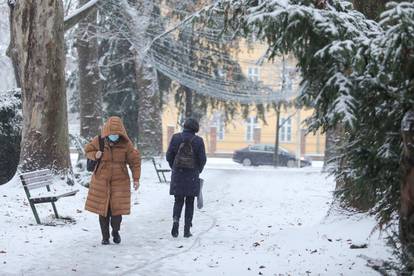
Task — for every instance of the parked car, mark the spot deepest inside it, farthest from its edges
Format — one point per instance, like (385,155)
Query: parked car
(261,154)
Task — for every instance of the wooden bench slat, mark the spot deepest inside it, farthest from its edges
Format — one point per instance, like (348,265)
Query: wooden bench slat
(35,173)
(71,193)
(37,179)
(37,200)
(55,195)
(36,176)
(37,185)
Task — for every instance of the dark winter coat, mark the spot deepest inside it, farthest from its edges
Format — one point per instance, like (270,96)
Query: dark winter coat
(186,182)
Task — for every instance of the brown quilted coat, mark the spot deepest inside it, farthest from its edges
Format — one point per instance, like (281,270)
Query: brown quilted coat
(110,183)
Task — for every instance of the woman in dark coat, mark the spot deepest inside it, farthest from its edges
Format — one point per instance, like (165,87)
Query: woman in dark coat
(185,182)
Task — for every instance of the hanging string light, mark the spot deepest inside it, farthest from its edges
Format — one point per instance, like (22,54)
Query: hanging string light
(206,60)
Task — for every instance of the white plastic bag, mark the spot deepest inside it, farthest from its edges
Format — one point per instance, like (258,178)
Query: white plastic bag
(200,202)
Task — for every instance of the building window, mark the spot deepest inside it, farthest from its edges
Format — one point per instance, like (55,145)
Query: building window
(221,74)
(285,134)
(220,126)
(251,124)
(253,73)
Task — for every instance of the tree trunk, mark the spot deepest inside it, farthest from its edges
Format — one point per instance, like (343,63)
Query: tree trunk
(407,189)
(371,8)
(188,102)
(138,17)
(330,147)
(11,50)
(37,47)
(276,152)
(90,88)
(149,117)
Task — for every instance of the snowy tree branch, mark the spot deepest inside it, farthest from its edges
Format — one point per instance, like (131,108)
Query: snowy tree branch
(77,15)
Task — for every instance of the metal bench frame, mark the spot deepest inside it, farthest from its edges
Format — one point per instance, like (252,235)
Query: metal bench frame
(160,171)
(39,179)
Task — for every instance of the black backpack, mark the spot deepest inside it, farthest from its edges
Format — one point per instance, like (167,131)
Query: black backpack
(92,165)
(184,159)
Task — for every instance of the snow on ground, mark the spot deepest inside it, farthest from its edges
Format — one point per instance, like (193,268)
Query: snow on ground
(256,221)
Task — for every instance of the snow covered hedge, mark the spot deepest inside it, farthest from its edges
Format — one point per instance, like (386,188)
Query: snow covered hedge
(10,133)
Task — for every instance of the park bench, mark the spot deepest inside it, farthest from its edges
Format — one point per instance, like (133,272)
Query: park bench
(160,171)
(39,179)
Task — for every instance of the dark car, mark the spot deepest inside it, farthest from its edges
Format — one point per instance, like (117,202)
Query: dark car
(261,154)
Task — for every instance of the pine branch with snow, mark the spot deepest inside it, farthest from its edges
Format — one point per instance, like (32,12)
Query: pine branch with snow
(355,71)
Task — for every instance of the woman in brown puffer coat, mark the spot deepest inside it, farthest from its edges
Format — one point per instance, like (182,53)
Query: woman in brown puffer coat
(109,193)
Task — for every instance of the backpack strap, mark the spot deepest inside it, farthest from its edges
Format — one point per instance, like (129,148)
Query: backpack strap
(191,140)
(101,143)
(101,148)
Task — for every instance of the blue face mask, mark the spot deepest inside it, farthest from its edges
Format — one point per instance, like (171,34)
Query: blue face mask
(113,137)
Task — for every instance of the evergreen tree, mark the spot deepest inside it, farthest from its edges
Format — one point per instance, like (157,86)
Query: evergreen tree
(10,133)
(120,92)
(356,72)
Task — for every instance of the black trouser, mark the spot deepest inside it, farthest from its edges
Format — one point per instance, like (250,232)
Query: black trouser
(104,222)
(189,209)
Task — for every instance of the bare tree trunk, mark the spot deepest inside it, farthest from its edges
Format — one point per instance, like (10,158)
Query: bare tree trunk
(149,117)
(331,139)
(407,189)
(90,88)
(188,102)
(11,50)
(37,49)
(276,152)
(371,8)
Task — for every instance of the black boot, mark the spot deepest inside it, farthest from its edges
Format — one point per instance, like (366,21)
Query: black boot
(174,230)
(104,223)
(187,232)
(116,236)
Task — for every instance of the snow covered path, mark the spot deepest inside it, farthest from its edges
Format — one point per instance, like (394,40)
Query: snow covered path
(256,221)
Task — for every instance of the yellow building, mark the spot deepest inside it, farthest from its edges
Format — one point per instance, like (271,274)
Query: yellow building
(222,139)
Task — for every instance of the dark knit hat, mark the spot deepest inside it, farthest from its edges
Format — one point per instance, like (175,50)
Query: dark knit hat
(192,125)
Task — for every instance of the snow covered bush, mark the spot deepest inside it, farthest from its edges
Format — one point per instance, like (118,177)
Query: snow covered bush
(10,133)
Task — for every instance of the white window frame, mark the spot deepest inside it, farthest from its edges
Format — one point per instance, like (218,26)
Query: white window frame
(285,130)
(253,73)
(222,74)
(220,127)
(251,124)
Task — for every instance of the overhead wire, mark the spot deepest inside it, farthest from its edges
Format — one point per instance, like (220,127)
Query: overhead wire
(205,60)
